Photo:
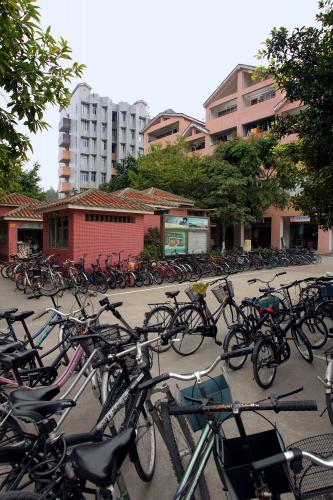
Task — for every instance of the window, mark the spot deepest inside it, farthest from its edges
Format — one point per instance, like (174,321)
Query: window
(103,177)
(84,108)
(84,176)
(114,116)
(228,110)
(132,134)
(141,151)
(93,176)
(114,148)
(84,160)
(93,160)
(93,143)
(140,137)
(114,134)
(3,232)
(84,142)
(58,232)
(104,127)
(103,160)
(94,126)
(132,120)
(123,133)
(104,144)
(132,148)
(142,121)
(123,148)
(123,116)
(104,112)
(94,109)
(85,125)
(127,219)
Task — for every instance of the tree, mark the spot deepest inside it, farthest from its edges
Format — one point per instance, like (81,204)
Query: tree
(34,72)
(121,180)
(301,63)
(51,194)
(28,182)
(170,168)
(245,177)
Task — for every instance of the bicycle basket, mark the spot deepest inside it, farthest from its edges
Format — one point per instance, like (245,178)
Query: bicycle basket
(326,291)
(222,290)
(192,295)
(313,481)
(236,464)
(217,390)
(269,301)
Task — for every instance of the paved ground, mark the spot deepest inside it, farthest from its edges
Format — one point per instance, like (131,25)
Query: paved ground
(295,372)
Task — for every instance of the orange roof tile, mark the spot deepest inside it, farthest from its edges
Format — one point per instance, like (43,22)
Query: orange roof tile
(133,194)
(23,212)
(17,199)
(159,193)
(97,199)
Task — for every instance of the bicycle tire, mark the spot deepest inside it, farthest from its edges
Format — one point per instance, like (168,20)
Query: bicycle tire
(239,336)
(20,495)
(266,347)
(315,330)
(160,314)
(231,314)
(325,311)
(144,471)
(173,443)
(302,344)
(184,316)
(329,406)
(19,282)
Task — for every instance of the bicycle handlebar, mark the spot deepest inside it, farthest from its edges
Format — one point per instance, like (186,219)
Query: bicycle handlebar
(290,455)
(254,280)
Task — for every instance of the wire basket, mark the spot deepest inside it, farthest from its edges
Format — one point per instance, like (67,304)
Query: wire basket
(192,295)
(326,292)
(216,389)
(222,291)
(314,481)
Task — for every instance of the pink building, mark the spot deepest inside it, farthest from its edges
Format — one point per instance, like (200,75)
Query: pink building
(245,107)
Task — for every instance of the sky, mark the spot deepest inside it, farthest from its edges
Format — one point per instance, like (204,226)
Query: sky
(171,53)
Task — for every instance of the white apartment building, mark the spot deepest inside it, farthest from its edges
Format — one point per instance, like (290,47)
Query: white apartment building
(94,135)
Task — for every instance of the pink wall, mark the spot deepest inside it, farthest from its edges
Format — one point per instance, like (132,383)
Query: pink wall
(152,221)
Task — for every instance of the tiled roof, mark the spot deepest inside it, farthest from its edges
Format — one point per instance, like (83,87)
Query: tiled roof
(165,195)
(133,194)
(23,212)
(96,199)
(17,199)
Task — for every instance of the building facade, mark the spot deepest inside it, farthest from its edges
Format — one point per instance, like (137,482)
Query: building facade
(95,134)
(245,107)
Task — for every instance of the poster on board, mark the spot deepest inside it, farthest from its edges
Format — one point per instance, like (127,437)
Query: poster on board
(179,222)
(174,242)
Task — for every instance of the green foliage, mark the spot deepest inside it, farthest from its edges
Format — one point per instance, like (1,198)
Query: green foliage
(28,183)
(170,168)
(301,63)
(34,72)
(152,244)
(122,179)
(51,194)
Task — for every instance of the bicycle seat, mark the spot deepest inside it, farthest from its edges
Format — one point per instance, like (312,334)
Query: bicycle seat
(99,462)
(264,289)
(17,359)
(26,396)
(38,410)
(10,347)
(172,295)
(20,316)
(5,312)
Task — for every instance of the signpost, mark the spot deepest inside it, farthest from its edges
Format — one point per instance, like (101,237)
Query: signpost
(183,235)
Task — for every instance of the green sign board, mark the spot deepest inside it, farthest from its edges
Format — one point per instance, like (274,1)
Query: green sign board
(174,242)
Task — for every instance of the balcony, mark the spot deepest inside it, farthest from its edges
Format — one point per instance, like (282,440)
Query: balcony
(65,187)
(64,125)
(64,155)
(64,140)
(64,171)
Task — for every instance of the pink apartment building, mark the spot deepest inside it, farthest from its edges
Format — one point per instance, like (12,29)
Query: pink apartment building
(244,107)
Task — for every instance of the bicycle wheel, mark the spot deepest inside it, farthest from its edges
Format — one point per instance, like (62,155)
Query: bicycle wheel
(329,405)
(145,444)
(325,311)
(236,339)
(231,314)
(159,315)
(81,281)
(188,341)
(101,282)
(20,282)
(157,276)
(302,344)
(315,330)
(264,363)
(180,445)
